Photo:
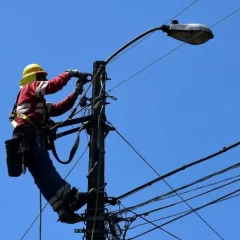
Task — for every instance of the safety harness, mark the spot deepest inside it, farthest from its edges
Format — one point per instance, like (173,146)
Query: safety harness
(15,114)
(46,131)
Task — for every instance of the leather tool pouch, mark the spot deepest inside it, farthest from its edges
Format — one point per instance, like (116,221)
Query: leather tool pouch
(19,151)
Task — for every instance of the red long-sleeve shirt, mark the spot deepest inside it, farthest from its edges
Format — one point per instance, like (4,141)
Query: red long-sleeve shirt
(31,101)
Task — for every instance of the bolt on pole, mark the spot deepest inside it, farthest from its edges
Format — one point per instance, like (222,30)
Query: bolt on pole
(95,226)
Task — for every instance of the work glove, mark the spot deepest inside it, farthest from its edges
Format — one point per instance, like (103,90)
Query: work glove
(73,73)
(80,75)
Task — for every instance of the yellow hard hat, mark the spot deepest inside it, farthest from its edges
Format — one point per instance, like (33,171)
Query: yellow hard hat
(29,74)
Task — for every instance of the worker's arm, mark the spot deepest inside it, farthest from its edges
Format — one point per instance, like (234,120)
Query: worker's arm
(52,86)
(56,109)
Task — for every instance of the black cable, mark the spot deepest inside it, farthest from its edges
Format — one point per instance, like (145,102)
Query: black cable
(173,50)
(47,203)
(179,213)
(225,149)
(160,197)
(196,209)
(193,197)
(176,203)
(88,105)
(159,219)
(154,224)
(201,187)
(169,184)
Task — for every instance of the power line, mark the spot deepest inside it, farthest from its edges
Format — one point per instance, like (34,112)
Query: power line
(196,209)
(190,5)
(165,195)
(196,196)
(150,222)
(179,213)
(201,187)
(47,203)
(176,203)
(225,149)
(168,184)
(173,50)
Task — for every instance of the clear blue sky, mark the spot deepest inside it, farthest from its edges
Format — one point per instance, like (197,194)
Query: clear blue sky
(182,108)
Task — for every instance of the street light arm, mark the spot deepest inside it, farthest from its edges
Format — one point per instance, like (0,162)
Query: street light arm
(164,28)
(194,34)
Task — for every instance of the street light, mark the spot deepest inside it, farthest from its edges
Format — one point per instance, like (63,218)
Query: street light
(194,34)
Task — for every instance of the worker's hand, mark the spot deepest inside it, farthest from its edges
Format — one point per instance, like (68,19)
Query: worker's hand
(82,77)
(73,73)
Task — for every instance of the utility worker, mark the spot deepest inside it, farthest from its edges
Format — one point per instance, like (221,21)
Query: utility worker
(32,112)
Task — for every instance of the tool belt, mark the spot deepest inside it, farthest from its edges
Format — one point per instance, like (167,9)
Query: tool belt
(19,151)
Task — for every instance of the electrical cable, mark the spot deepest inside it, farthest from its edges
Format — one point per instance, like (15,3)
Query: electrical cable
(179,213)
(201,187)
(225,149)
(169,185)
(193,197)
(127,209)
(173,50)
(150,222)
(47,203)
(165,195)
(196,209)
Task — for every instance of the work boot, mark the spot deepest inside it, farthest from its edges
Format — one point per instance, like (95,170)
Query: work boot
(66,215)
(76,199)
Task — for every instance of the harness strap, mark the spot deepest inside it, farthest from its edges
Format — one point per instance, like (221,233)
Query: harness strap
(13,114)
(73,150)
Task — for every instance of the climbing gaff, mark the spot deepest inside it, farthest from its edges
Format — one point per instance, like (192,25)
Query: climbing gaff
(193,33)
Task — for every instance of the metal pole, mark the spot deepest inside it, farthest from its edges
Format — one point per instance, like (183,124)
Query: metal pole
(95,228)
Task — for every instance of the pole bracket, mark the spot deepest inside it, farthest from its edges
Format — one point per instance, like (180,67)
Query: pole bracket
(111,200)
(107,129)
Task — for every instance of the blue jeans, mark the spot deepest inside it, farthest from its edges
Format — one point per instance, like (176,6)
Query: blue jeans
(48,180)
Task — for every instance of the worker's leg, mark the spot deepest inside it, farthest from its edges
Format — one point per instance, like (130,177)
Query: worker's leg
(49,181)
(56,190)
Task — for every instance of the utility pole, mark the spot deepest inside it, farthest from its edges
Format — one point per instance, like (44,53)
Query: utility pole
(95,226)
(95,216)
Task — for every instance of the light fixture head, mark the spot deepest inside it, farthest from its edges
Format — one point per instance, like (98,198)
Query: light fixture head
(193,33)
